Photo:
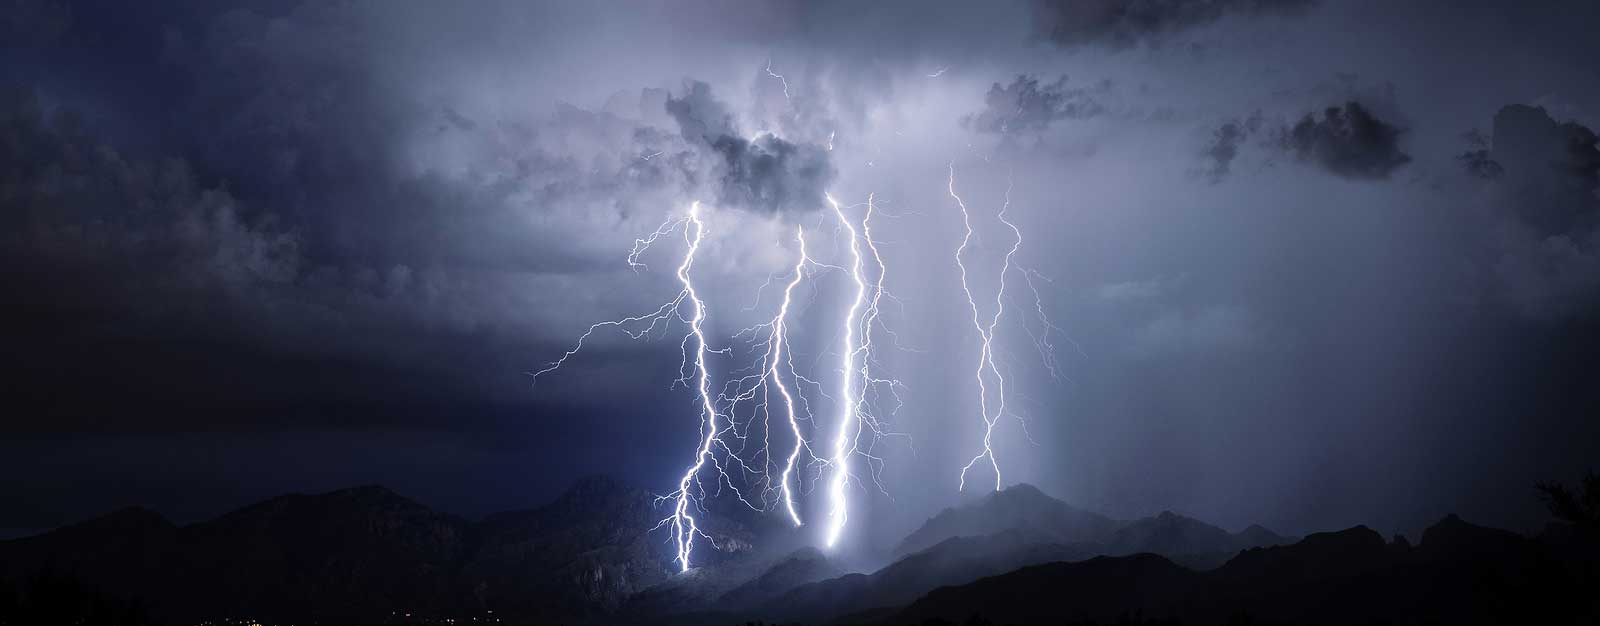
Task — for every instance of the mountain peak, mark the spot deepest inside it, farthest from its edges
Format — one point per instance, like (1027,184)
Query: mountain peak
(1023,489)
(1022,507)
(362,492)
(1455,535)
(125,520)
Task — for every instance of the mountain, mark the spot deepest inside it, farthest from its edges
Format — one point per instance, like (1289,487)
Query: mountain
(119,549)
(365,554)
(953,561)
(351,554)
(583,554)
(1024,508)
(1020,507)
(344,553)
(1186,540)
(804,566)
(1459,574)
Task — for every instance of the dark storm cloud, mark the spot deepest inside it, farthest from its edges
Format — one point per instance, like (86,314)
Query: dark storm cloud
(701,116)
(270,202)
(1025,105)
(34,21)
(1347,141)
(1476,161)
(766,173)
(71,200)
(1543,178)
(1126,23)
(1552,167)
(1225,143)
(1479,164)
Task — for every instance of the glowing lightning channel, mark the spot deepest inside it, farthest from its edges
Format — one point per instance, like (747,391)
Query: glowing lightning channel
(986,355)
(683,524)
(778,338)
(780,78)
(849,414)
(867,412)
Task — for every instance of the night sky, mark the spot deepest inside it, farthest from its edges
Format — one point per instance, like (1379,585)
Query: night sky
(1315,263)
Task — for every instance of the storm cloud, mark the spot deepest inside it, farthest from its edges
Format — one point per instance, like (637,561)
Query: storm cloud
(291,247)
(1025,105)
(1552,167)
(764,173)
(1225,144)
(1347,141)
(1126,23)
(1544,182)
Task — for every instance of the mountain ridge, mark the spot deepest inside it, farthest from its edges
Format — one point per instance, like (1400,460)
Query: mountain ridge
(587,556)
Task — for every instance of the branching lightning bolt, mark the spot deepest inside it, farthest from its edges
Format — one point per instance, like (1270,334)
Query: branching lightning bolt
(779,339)
(731,443)
(684,526)
(858,413)
(849,414)
(735,449)
(986,355)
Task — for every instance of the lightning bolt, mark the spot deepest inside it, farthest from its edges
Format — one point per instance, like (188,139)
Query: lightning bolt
(849,414)
(780,78)
(693,371)
(779,339)
(684,525)
(986,354)
(736,418)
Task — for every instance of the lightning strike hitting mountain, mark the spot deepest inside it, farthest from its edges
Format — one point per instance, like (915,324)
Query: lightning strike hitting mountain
(681,522)
(684,528)
(739,439)
(849,403)
(985,335)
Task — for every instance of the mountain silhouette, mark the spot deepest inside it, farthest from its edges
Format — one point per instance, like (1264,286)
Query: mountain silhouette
(1020,507)
(953,561)
(1459,574)
(1024,508)
(1186,540)
(367,554)
(351,554)
(585,553)
(804,566)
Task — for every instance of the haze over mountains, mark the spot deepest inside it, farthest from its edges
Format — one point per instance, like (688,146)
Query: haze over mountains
(367,555)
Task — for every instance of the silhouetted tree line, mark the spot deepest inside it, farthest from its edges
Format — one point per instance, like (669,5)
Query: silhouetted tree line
(1581,509)
(50,598)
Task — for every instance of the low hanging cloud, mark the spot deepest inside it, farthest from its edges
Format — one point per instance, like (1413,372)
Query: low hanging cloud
(1127,23)
(1026,105)
(765,173)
